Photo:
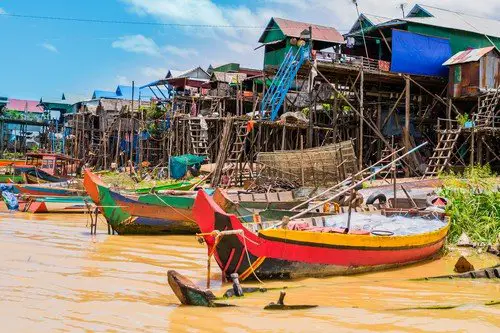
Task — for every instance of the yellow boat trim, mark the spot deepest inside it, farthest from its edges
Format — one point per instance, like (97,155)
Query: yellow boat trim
(252,267)
(350,240)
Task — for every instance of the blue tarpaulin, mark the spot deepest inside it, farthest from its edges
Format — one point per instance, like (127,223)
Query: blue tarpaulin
(419,54)
(9,197)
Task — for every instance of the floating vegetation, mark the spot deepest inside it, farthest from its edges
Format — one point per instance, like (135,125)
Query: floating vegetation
(474,204)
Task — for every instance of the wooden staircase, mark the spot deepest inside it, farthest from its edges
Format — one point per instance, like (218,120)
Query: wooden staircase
(443,152)
(199,137)
(487,105)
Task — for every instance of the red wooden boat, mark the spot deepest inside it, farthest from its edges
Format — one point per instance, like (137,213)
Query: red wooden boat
(316,251)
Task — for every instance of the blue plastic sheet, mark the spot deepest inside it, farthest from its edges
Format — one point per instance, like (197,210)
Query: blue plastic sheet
(9,197)
(419,54)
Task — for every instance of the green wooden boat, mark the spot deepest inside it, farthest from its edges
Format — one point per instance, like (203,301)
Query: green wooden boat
(177,186)
(149,214)
(5,178)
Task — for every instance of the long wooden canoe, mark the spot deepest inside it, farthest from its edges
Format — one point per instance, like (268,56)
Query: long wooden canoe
(286,253)
(177,186)
(274,200)
(248,213)
(75,204)
(6,162)
(150,214)
(43,190)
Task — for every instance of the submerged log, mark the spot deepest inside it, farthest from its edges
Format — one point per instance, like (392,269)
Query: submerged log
(190,294)
(495,250)
(246,290)
(486,273)
(280,305)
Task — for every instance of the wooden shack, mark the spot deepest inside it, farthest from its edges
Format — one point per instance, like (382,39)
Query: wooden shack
(473,71)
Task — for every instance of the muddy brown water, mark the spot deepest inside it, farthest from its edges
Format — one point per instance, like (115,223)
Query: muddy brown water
(56,277)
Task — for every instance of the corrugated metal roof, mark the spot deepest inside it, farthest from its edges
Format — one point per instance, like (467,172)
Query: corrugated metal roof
(125,92)
(104,94)
(193,73)
(23,105)
(468,56)
(319,33)
(459,21)
(370,21)
(228,77)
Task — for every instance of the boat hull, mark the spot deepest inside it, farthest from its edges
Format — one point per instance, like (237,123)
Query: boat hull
(11,179)
(65,205)
(146,215)
(40,190)
(33,175)
(280,253)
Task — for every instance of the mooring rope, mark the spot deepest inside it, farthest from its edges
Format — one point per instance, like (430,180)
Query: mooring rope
(218,236)
(175,209)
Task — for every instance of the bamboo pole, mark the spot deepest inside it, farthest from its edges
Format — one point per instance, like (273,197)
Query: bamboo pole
(344,182)
(361,118)
(356,184)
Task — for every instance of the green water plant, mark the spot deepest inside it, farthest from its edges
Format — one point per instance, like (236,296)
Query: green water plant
(474,204)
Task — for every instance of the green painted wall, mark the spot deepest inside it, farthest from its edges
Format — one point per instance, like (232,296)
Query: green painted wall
(459,40)
(273,33)
(274,58)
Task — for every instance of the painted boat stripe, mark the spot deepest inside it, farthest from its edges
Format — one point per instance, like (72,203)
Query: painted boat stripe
(347,247)
(353,241)
(252,267)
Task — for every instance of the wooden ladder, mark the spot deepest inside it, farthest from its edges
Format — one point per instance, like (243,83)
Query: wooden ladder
(214,105)
(97,141)
(442,153)
(237,151)
(199,139)
(487,105)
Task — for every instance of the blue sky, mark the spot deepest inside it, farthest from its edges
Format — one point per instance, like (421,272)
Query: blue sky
(46,57)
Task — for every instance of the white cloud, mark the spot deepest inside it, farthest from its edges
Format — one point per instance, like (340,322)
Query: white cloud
(2,11)
(154,72)
(181,52)
(180,11)
(123,80)
(49,47)
(240,47)
(205,45)
(137,44)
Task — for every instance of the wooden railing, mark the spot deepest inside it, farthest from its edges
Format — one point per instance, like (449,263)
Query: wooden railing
(351,60)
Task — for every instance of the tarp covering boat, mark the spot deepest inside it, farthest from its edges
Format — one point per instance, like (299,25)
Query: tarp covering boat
(179,165)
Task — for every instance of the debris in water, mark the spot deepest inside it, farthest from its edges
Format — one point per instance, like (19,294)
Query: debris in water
(463,265)
(190,294)
(485,273)
(281,306)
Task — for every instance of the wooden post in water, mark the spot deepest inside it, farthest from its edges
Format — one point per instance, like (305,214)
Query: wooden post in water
(361,118)
(132,129)
(394,173)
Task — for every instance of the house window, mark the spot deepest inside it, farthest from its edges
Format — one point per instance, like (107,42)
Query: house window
(458,74)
